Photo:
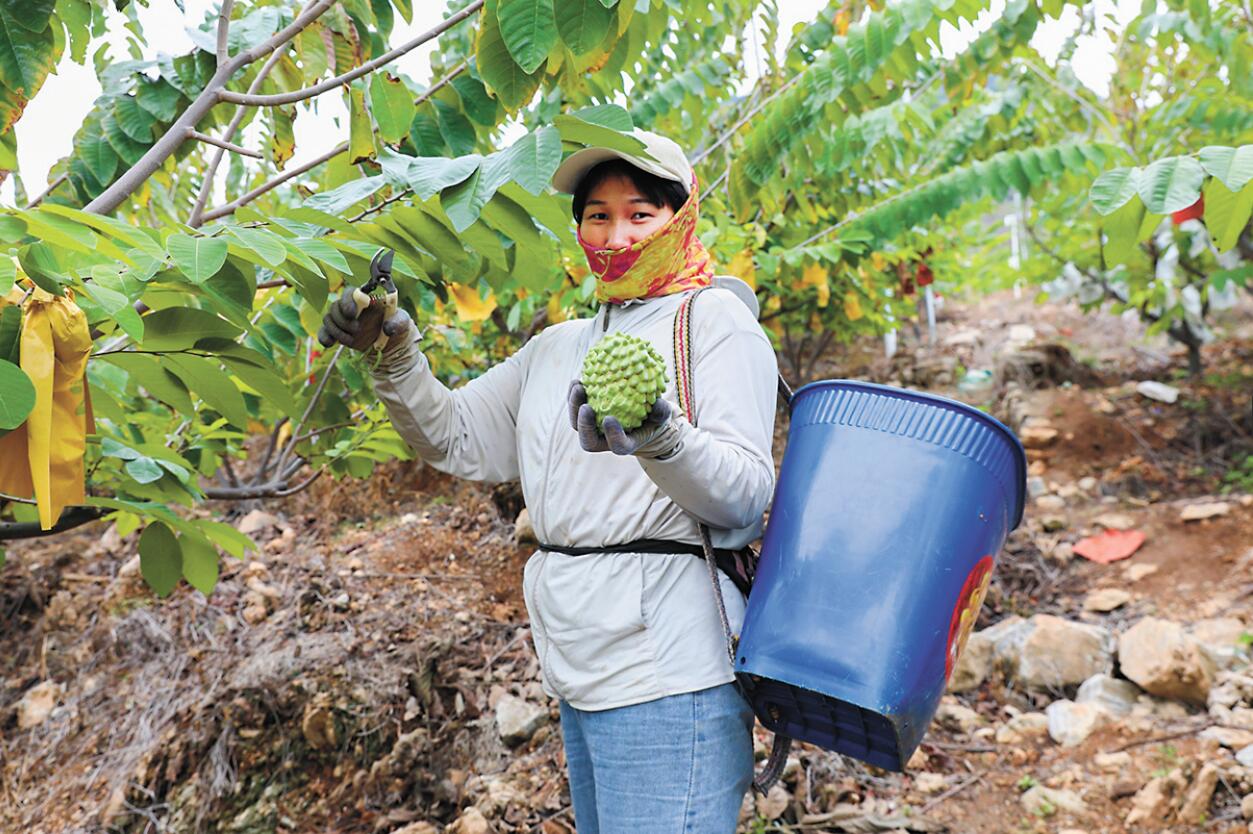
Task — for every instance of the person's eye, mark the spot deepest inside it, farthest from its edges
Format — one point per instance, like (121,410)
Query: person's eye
(600,215)
(643,214)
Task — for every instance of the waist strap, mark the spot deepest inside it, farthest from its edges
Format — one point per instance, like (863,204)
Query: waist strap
(732,562)
(637,546)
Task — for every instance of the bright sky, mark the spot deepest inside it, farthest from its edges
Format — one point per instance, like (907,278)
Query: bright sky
(46,129)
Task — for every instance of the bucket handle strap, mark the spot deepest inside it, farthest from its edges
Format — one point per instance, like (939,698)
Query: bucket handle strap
(687,401)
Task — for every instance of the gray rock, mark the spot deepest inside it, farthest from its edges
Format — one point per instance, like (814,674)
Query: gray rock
(1051,503)
(1116,695)
(974,663)
(1219,638)
(1046,801)
(957,717)
(1245,756)
(1036,486)
(1056,653)
(517,720)
(1020,728)
(1165,661)
(1071,723)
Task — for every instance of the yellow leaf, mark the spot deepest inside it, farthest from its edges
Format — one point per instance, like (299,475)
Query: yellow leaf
(852,306)
(555,312)
(842,18)
(469,306)
(815,323)
(742,266)
(816,276)
(878,261)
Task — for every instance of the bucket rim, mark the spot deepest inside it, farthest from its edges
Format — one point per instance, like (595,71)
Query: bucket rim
(1020,459)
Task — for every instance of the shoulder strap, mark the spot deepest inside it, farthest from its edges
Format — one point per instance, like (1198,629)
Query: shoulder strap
(687,401)
(683,356)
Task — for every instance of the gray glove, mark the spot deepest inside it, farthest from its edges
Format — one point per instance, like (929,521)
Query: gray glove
(656,437)
(360,330)
(358,317)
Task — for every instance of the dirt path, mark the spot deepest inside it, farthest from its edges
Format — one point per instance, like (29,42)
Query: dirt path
(351,676)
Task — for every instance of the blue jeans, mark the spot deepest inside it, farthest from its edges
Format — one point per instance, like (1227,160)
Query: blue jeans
(676,764)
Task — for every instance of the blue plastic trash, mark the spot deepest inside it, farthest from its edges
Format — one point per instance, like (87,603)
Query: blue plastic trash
(890,509)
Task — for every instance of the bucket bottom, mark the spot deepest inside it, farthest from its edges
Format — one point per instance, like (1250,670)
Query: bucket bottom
(830,723)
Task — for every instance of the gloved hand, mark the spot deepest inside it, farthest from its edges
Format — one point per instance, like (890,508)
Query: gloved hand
(359,315)
(656,437)
(360,331)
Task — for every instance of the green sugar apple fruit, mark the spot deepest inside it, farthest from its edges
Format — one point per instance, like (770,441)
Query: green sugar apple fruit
(624,375)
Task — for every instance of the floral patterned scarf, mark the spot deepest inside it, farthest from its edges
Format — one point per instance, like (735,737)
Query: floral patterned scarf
(671,259)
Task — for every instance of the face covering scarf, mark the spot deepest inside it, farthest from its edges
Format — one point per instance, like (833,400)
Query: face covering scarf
(671,259)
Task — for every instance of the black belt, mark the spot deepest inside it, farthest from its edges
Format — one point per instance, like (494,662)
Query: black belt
(723,557)
(637,546)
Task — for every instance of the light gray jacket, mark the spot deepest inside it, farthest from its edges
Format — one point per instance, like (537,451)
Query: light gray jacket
(617,628)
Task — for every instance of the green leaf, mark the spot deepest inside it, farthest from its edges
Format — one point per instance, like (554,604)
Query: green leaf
(479,106)
(428,175)
(159,98)
(225,537)
(17,395)
(607,115)
(583,24)
(200,564)
(266,383)
(360,130)
(1113,189)
(1170,184)
(1121,228)
(337,200)
(40,263)
(529,30)
(10,333)
(199,258)
(8,277)
(456,129)
(97,153)
(135,122)
(391,103)
(265,243)
(324,252)
(144,470)
(204,377)
(176,328)
(574,129)
(1227,213)
(160,558)
(27,45)
(147,371)
(1234,166)
(534,158)
(512,86)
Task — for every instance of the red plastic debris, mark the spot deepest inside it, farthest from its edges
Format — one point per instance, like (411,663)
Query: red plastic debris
(1109,546)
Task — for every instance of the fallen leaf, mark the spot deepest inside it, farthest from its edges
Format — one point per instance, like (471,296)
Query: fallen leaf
(1110,546)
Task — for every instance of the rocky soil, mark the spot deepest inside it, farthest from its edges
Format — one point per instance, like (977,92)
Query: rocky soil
(369,668)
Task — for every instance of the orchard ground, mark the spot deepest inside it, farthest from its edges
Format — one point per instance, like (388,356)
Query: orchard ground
(362,672)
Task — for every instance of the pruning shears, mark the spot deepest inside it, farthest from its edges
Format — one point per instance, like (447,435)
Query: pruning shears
(375,299)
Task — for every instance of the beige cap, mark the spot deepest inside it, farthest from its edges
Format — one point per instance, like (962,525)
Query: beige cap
(667,161)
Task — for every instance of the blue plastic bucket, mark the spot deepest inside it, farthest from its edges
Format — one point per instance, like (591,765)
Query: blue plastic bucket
(890,509)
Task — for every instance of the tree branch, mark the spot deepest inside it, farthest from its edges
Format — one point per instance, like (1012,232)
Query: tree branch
(273,490)
(229,208)
(71,517)
(221,143)
(399,195)
(304,418)
(164,147)
(51,187)
(351,75)
(224,28)
(206,185)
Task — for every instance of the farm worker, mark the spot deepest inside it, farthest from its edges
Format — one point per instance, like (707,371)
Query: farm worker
(657,736)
